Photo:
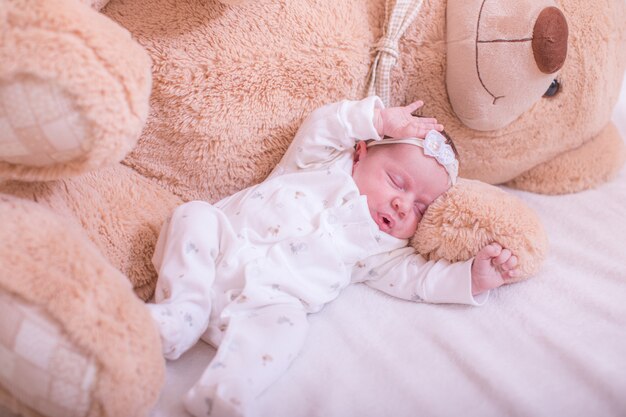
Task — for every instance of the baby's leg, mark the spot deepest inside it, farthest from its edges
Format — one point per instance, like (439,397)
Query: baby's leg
(185,260)
(258,347)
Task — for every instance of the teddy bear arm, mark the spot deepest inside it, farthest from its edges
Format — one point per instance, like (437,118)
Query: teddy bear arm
(587,166)
(473,214)
(69,323)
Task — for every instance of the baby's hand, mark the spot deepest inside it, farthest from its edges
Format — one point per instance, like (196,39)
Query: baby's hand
(398,122)
(491,267)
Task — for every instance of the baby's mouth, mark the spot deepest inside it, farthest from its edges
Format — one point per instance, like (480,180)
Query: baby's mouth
(385,222)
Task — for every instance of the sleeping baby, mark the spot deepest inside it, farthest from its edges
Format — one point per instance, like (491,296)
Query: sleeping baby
(338,209)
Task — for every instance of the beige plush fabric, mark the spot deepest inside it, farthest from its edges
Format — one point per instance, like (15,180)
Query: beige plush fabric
(590,82)
(579,167)
(93,301)
(38,364)
(39,125)
(58,53)
(498,62)
(233,83)
(116,209)
(473,214)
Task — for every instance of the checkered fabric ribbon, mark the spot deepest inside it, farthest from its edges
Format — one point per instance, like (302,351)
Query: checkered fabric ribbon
(399,14)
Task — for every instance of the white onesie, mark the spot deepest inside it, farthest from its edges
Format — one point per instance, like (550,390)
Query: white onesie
(245,272)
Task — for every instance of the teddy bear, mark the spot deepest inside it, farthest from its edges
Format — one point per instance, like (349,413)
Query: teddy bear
(112,118)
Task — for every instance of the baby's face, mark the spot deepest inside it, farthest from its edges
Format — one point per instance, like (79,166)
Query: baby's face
(400,182)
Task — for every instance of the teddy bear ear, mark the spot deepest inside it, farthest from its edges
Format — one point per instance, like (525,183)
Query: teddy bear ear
(471,215)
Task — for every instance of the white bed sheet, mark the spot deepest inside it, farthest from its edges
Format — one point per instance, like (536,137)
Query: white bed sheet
(554,345)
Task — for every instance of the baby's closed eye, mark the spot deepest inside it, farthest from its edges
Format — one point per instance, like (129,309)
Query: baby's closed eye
(396,181)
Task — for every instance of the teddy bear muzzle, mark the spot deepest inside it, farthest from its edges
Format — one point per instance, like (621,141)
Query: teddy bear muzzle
(502,57)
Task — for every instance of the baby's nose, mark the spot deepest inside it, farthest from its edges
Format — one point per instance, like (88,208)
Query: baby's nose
(399,207)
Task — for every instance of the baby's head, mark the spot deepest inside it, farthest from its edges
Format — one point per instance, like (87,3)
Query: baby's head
(401,180)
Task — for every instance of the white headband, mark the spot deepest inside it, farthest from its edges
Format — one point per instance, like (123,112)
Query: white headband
(434,145)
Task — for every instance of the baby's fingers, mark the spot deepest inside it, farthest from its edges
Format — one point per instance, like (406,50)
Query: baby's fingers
(513,273)
(424,120)
(414,106)
(427,123)
(502,258)
(510,264)
(422,130)
(490,251)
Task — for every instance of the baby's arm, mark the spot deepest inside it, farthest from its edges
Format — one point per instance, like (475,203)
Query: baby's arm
(492,266)
(404,274)
(399,122)
(330,132)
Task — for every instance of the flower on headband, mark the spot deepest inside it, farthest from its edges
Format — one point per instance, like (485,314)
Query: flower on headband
(435,145)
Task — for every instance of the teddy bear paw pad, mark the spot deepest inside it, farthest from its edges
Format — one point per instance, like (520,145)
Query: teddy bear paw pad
(39,366)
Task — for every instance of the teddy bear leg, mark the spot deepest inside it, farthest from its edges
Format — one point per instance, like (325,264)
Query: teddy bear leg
(593,163)
(42,370)
(74,89)
(75,339)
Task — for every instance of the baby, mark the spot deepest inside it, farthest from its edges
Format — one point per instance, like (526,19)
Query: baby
(245,272)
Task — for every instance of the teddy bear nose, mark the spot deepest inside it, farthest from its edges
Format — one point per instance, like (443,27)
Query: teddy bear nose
(550,40)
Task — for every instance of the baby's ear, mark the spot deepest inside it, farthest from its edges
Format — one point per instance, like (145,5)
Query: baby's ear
(360,151)
(472,214)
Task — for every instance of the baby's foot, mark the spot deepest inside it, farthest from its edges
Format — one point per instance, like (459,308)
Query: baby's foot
(176,337)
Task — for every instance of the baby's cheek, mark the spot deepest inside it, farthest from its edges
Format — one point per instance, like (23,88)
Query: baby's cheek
(410,228)
(418,218)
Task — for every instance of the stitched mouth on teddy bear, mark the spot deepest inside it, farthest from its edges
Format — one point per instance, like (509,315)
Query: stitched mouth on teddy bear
(549,45)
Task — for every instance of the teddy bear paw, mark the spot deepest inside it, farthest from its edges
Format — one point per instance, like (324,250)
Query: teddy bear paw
(40,367)
(40,124)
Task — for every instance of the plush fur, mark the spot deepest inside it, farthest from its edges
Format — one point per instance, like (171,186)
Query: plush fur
(474,214)
(231,99)
(220,91)
(50,58)
(92,300)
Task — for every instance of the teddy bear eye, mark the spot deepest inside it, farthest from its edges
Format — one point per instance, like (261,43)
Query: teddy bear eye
(553,89)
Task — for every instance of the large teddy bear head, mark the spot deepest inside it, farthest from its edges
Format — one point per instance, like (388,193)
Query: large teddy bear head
(526,88)
(206,97)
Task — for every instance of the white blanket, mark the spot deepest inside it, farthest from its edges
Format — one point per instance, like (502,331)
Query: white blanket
(554,345)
